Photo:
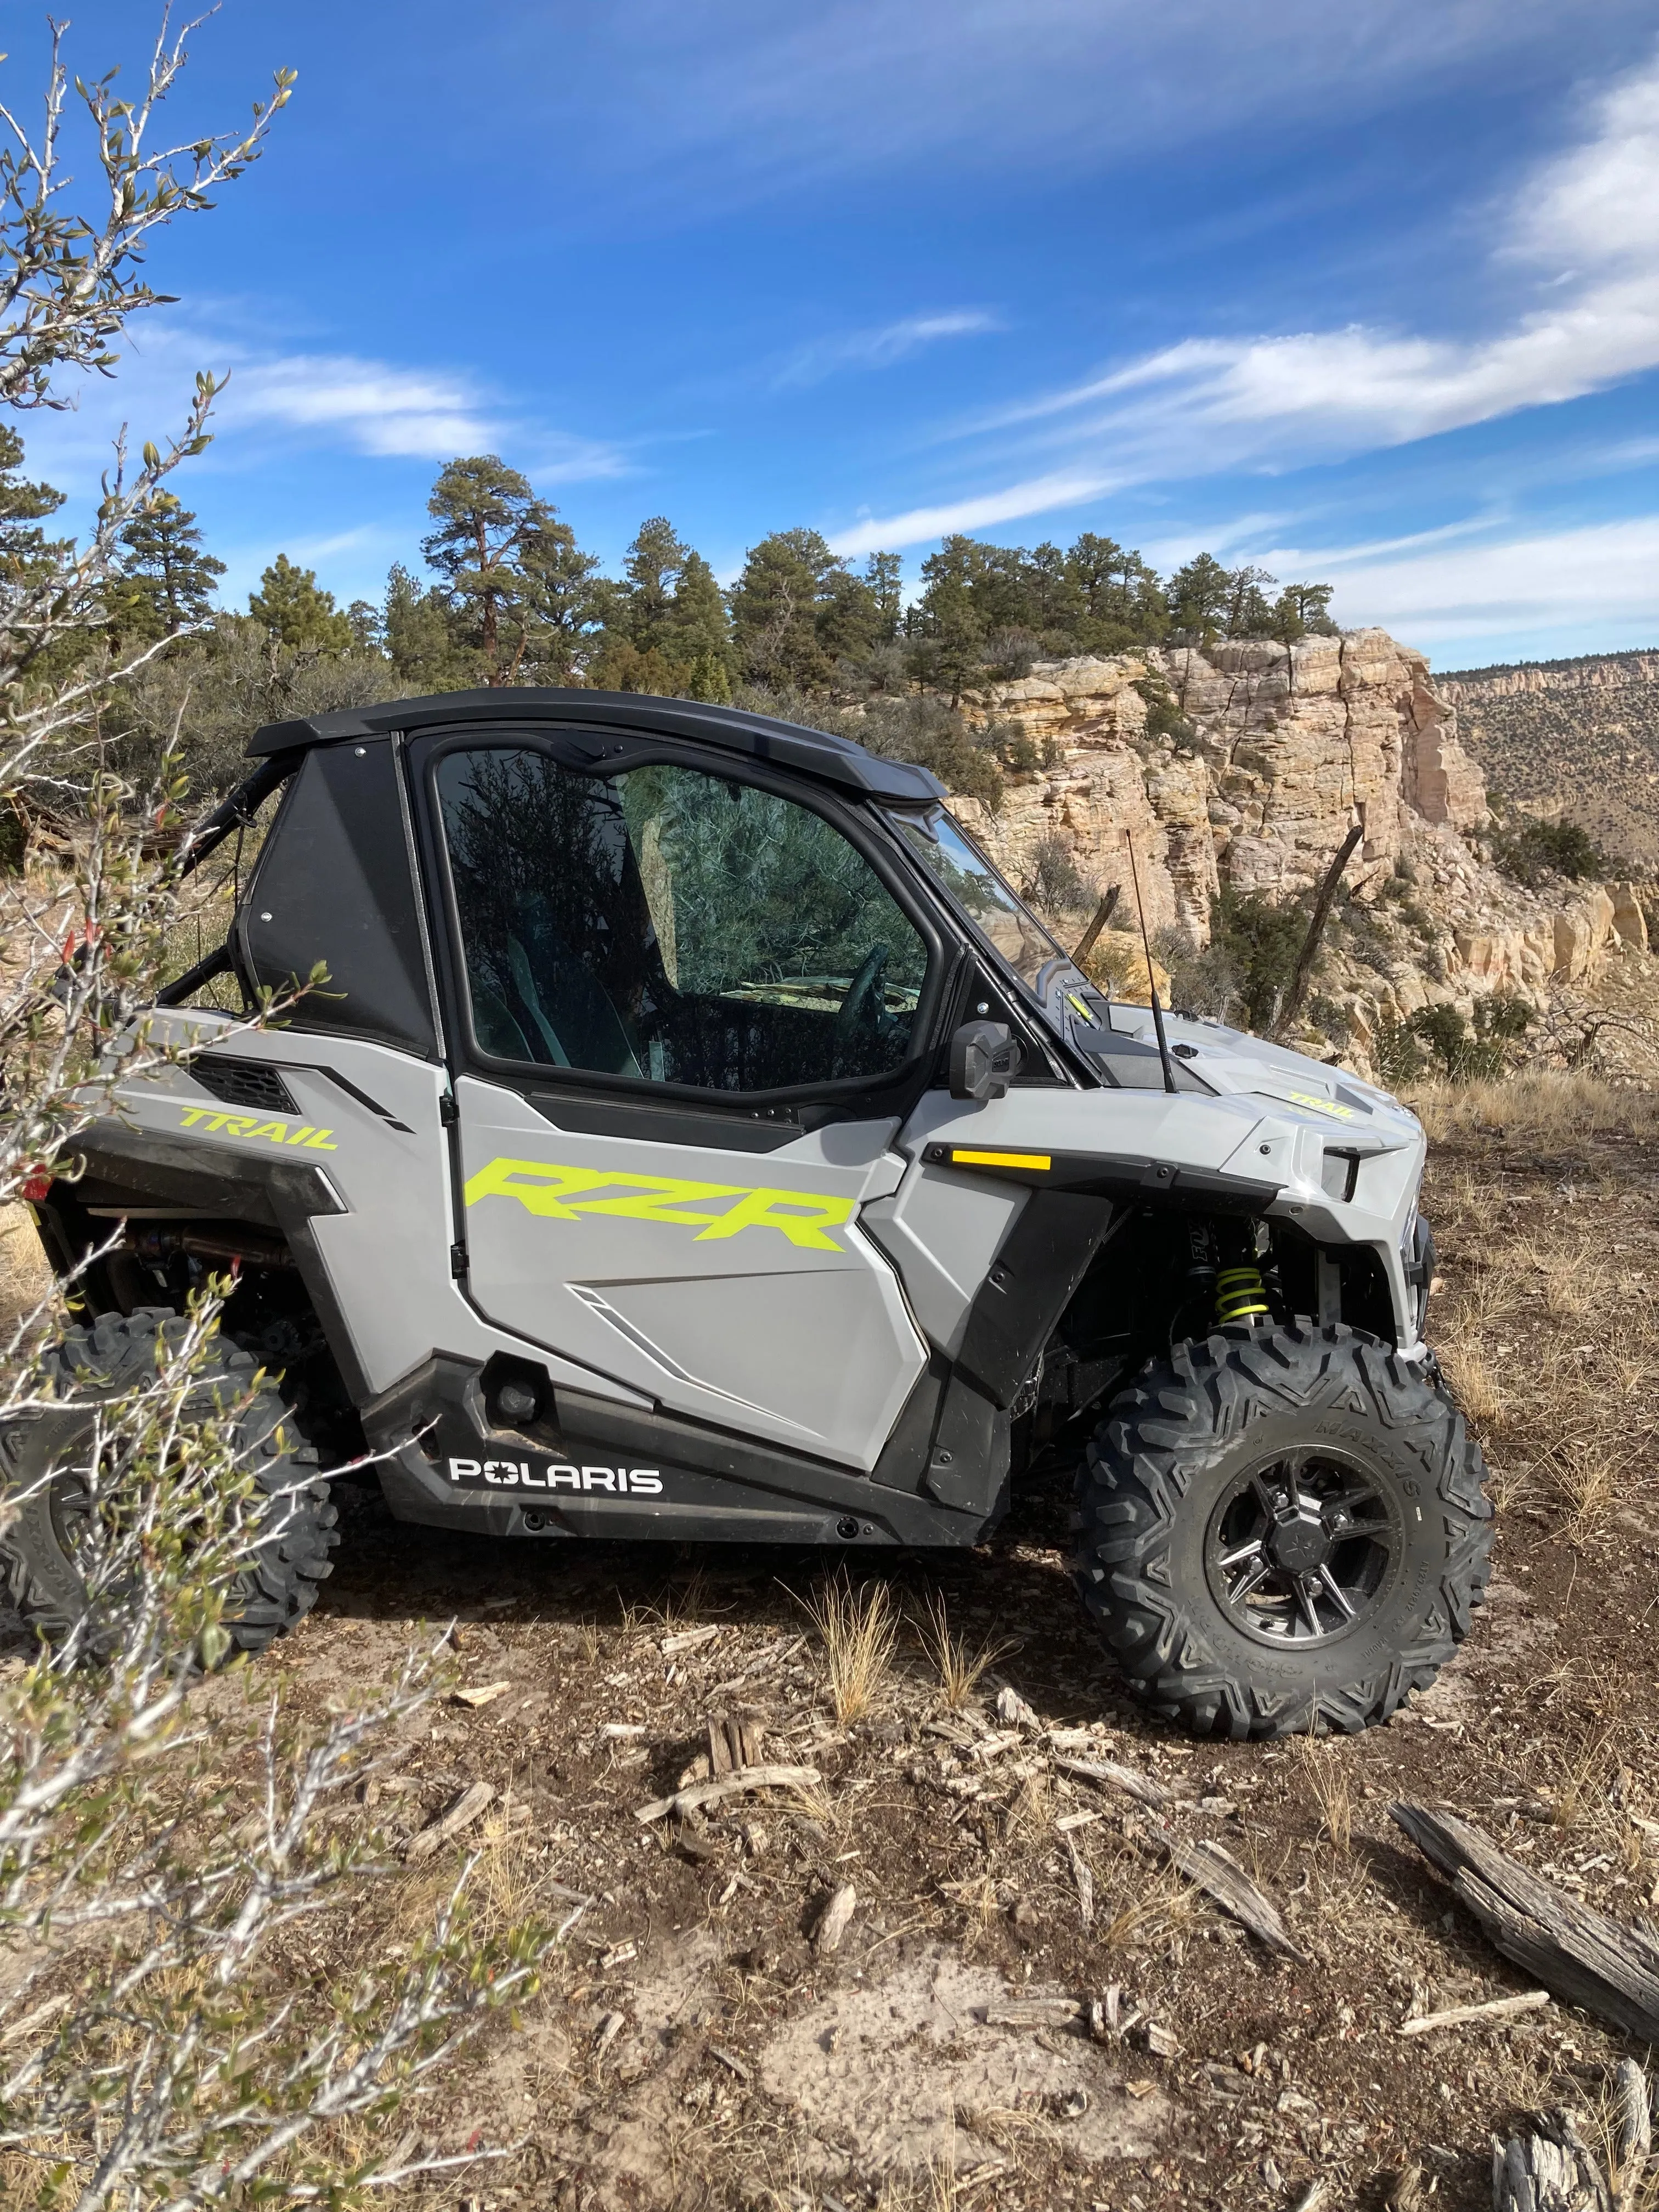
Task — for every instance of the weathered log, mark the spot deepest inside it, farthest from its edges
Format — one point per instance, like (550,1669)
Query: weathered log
(1552,2169)
(1579,1954)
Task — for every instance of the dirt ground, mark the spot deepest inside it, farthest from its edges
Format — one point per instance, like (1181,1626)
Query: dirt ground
(693,2047)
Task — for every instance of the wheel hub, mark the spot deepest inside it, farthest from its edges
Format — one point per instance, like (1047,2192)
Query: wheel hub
(1301,1544)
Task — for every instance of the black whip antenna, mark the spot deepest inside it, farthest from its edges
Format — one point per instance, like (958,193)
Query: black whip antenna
(1152,980)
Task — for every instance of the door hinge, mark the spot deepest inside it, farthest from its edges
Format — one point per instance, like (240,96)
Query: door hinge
(457,1259)
(448,1112)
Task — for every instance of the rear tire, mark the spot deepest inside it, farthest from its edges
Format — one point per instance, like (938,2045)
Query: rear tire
(279,1584)
(1281,1529)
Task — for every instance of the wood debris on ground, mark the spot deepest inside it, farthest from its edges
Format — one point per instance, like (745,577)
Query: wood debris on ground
(835,1918)
(461,1814)
(1550,2168)
(701,1795)
(1581,1955)
(485,1694)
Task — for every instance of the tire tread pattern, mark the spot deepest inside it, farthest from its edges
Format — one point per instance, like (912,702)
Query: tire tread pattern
(1175,1418)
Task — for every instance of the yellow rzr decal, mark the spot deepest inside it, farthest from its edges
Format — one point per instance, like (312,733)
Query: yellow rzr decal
(209,1124)
(565,1193)
(1041,1161)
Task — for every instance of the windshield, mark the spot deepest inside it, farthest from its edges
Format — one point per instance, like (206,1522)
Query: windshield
(1011,929)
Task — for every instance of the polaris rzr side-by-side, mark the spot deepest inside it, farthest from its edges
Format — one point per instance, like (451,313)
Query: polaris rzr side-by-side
(696,1137)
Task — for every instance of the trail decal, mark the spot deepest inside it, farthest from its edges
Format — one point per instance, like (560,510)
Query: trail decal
(565,1193)
(206,1123)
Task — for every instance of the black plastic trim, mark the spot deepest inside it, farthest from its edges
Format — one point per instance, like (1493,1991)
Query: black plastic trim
(758,1131)
(280,1193)
(789,745)
(725,1488)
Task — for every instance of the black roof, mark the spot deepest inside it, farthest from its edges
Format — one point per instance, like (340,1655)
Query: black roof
(788,743)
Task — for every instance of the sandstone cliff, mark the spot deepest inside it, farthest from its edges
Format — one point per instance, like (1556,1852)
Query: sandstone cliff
(1280,750)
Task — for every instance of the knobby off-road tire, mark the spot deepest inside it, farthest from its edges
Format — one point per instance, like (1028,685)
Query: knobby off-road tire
(1202,1457)
(277,1587)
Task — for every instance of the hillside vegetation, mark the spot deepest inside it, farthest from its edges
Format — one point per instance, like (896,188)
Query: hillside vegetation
(1577,738)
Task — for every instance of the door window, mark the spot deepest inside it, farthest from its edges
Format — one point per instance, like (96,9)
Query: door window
(666,924)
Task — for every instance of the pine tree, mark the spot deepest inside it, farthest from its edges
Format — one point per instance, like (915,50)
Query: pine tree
(700,631)
(1199,596)
(296,612)
(487,515)
(558,610)
(949,621)
(652,568)
(1302,610)
(775,608)
(1248,611)
(166,581)
(421,639)
(885,574)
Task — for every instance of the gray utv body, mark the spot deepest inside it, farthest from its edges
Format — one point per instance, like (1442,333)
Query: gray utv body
(694,1138)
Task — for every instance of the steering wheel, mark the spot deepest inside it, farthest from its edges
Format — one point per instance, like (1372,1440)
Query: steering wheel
(863,1005)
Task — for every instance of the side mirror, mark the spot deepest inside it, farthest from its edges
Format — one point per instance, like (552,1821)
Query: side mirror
(984,1060)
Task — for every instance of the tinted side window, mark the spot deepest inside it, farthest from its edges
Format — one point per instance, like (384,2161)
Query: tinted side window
(667,925)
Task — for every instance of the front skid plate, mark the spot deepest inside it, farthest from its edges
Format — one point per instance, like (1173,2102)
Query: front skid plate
(625,1474)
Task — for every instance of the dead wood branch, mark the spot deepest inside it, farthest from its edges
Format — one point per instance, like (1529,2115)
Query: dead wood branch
(1462,2015)
(1579,1954)
(1085,944)
(1321,913)
(1126,1778)
(702,1794)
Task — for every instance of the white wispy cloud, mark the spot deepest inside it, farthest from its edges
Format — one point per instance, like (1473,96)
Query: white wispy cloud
(879,348)
(1580,241)
(371,405)
(1607,573)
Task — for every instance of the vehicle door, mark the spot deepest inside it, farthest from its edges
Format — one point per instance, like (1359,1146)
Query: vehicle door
(682,997)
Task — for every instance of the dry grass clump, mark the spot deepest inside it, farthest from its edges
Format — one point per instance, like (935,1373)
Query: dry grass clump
(1474,1385)
(960,1665)
(859,1630)
(1539,1107)
(1325,1772)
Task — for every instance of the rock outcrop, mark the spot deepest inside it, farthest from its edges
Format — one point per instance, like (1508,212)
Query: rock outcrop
(1271,755)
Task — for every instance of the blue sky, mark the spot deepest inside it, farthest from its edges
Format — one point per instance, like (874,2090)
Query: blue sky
(1368,293)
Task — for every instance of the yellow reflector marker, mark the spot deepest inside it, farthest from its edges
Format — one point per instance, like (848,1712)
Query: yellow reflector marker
(1000,1160)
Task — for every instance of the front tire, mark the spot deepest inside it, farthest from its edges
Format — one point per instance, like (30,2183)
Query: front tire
(1281,1529)
(279,1583)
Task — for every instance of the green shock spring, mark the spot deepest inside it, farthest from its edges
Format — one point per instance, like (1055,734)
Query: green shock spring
(1240,1295)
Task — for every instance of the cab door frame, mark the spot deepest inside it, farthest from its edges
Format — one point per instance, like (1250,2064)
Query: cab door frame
(582,1320)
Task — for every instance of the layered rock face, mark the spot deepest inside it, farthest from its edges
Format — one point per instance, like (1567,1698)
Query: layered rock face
(1288,748)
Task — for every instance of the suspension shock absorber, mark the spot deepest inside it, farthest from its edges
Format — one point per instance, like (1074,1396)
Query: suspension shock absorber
(1240,1292)
(1240,1295)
